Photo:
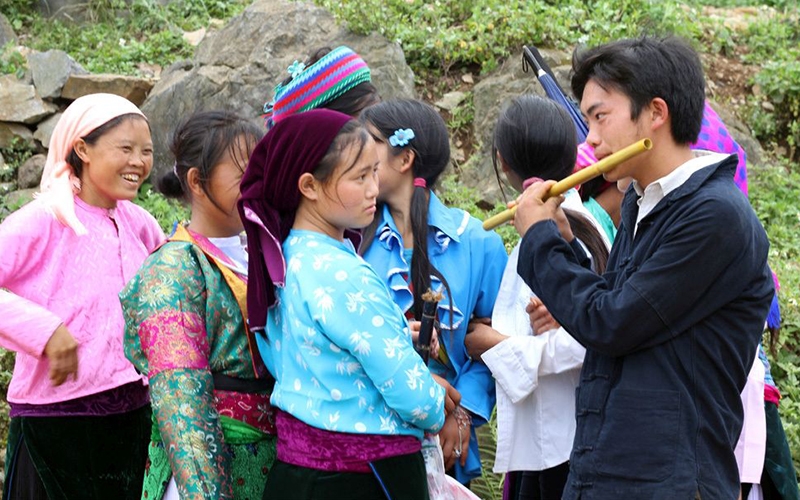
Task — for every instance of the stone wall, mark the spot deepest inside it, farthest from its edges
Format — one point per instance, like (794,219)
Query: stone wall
(236,67)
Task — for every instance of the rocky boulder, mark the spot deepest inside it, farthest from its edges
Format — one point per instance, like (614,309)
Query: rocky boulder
(489,97)
(11,132)
(131,88)
(29,174)
(51,70)
(6,32)
(237,67)
(20,102)
(45,130)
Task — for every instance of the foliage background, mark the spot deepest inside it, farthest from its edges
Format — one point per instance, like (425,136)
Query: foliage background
(446,39)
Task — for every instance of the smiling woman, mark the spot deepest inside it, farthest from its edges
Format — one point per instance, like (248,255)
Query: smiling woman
(66,256)
(113,160)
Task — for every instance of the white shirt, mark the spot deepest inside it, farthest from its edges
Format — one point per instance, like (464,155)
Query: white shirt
(658,189)
(752,445)
(535,376)
(234,248)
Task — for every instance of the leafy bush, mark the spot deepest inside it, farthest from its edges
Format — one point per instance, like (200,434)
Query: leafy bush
(780,81)
(12,62)
(167,212)
(774,192)
(774,44)
(120,36)
(446,33)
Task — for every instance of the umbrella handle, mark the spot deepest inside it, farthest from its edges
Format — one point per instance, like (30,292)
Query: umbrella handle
(579,177)
(528,56)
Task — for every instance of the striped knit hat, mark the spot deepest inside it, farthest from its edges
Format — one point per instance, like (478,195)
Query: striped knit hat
(331,76)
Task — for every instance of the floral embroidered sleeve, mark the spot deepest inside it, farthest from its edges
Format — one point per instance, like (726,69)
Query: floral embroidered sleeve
(165,314)
(374,331)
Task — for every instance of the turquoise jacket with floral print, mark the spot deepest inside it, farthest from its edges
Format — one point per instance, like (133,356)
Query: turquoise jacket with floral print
(340,348)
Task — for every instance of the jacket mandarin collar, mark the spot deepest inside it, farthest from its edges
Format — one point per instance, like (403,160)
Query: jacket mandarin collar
(726,167)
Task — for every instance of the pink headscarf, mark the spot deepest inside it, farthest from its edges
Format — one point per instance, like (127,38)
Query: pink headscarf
(59,184)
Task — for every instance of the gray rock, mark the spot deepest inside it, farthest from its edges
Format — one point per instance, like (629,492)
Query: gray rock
(45,130)
(489,95)
(51,70)
(451,100)
(29,174)
(11,131)
(741,134)
(130,87)
(70,10)
(6,32)
(16,199)
(238,66)
(19,102)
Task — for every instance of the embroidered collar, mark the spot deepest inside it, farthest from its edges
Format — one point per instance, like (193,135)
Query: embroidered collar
(449,225)
(440,218)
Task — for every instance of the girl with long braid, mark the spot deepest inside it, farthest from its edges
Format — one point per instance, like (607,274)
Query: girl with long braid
(416,243)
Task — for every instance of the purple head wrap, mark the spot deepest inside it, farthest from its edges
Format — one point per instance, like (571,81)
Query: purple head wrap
(270,198)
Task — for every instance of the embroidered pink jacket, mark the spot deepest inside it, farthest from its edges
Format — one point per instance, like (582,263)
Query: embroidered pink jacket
(49,276)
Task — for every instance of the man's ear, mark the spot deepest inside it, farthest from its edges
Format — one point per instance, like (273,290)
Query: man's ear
(194,182)
(309,186)
(408,155)
(659,113)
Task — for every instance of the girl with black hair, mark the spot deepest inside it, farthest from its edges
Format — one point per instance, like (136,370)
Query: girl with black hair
(536,366)
(353,400)
(416,243)
(186,328)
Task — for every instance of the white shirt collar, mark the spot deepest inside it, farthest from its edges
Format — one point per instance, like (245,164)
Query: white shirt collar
(660,188)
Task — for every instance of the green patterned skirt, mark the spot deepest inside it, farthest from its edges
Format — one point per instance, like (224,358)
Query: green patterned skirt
(251,453)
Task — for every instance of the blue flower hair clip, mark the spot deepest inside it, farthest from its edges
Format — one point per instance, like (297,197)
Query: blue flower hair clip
(401,137)
(296,68)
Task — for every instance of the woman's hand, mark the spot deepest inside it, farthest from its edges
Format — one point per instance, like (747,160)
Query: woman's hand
(481,337)
(452,397)
(541,319)
(454,438)
(414,326)
(62,353)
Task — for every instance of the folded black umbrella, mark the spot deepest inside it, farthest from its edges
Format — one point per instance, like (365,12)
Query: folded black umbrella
(532,57)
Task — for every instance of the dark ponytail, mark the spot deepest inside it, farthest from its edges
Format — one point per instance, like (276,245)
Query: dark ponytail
(589,236)
(170,186)
(201,141)
(536,138)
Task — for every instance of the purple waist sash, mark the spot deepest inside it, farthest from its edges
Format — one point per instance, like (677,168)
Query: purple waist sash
(116,401)
(306,446)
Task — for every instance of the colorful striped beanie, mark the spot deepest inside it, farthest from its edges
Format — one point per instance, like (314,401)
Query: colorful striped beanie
(328,78)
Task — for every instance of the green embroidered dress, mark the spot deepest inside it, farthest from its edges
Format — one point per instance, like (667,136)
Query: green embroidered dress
(185,329)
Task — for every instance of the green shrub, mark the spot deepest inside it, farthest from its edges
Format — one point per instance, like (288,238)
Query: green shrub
(774,191)
(440,35)
(120,36)
(12,62)
(779,79)
(167,212)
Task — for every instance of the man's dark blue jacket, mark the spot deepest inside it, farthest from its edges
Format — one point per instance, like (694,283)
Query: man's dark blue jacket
(670,332)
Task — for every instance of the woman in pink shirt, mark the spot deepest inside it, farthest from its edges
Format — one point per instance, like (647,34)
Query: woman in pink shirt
(80,411)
